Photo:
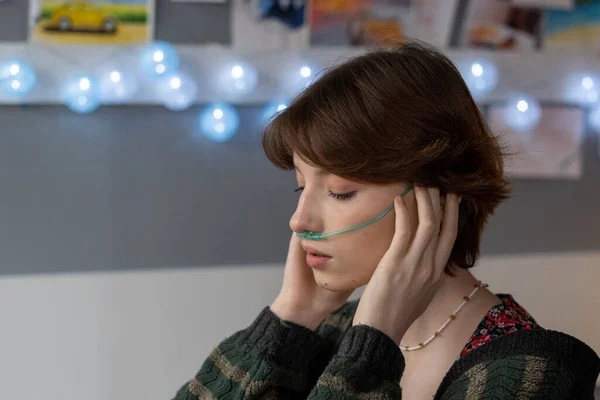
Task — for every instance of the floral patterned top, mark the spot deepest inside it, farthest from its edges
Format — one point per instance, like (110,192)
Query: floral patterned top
(501,319)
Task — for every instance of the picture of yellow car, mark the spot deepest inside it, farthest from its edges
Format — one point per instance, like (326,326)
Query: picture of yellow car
(81,16)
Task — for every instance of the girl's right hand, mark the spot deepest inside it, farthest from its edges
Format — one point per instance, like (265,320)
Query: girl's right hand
(301,300)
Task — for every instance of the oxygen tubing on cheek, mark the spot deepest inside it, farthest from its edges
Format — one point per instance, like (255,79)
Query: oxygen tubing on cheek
(320,236)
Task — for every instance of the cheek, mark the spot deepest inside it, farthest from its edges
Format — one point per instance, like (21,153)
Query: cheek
(365,249)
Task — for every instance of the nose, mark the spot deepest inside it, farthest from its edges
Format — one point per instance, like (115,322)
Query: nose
(306,217)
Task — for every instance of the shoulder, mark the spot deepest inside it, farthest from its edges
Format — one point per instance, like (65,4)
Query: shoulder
(536,359)
(502,319)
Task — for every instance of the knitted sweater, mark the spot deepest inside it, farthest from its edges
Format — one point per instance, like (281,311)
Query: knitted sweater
(275,359)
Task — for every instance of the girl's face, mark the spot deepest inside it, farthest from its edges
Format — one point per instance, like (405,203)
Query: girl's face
(330,203)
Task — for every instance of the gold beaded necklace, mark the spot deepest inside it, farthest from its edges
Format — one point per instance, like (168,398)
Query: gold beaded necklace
(450,318)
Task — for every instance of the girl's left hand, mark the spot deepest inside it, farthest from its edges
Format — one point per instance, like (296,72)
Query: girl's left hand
(410,272)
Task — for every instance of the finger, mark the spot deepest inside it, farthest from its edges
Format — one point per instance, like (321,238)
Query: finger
(296,259)
(425,227)
(402,228)
(434,195)
(449,231)
(436,202)
(295,249)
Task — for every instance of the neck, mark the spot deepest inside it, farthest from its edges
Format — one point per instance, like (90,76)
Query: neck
(445,301)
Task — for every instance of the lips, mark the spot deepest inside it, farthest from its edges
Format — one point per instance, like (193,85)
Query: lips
(312,250)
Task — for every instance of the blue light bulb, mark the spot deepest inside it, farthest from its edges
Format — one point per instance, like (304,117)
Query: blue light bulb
(236,79)
(522,113)
(159,59)
(177,91)
(299,77)
(82,94)
(583,89)
(273,109)
(481,77)
(118,84)
(17,78)
(219,122)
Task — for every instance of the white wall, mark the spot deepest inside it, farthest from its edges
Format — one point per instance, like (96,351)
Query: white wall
(140,335)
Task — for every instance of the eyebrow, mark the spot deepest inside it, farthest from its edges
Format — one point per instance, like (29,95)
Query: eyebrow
(320,172)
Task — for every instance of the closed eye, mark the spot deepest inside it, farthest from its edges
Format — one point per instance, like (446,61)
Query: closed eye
(342,196)
(337,196)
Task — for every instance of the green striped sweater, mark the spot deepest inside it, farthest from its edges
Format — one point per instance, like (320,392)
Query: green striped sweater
(275,359)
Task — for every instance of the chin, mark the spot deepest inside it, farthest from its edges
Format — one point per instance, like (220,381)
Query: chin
(333,283)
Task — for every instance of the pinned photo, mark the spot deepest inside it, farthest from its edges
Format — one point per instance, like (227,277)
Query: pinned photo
(113,22)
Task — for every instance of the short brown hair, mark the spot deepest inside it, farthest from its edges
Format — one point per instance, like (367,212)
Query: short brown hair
(401,113)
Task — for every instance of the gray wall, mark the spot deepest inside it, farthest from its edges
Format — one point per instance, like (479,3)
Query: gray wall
(13,20)
(193,23)
(135,187)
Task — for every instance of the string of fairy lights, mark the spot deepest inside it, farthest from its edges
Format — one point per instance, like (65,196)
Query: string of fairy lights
(159,62)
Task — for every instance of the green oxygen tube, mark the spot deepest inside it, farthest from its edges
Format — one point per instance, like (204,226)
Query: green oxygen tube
(321,236)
